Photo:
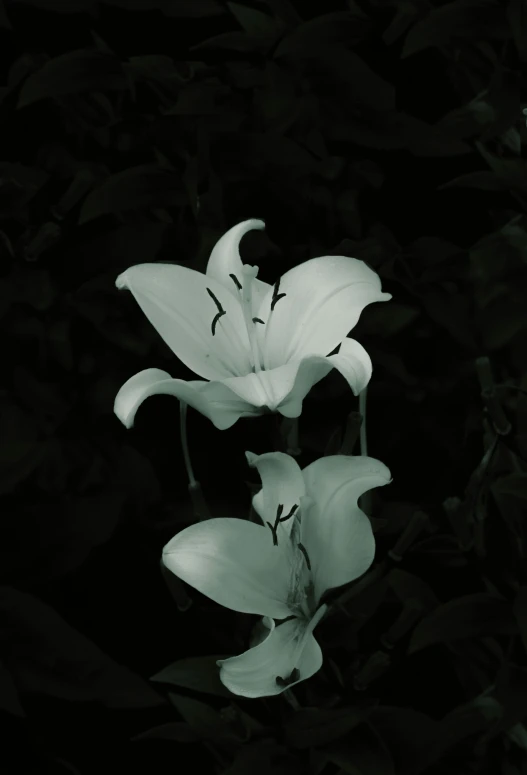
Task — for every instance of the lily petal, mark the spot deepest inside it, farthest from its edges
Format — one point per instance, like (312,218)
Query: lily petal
(288,646)
(282,485)
(213,399)
(233,562)
(336,533)
(176,301)
(225,261)
(324,298)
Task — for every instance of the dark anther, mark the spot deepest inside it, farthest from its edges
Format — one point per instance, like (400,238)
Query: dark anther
(303,550)
(258,320)
(216,318)
(221,311)
(236,282)
(295,675)
(288,516)
(274,527)
(276,296)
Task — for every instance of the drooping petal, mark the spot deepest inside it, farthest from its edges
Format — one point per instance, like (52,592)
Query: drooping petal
(225,261)
(335,532)
(235,563)
(288,646)
(212,399)
(176,301)
(323,300)
(282,485)
(283,389)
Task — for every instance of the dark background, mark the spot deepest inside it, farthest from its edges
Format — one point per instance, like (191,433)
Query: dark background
(142,130)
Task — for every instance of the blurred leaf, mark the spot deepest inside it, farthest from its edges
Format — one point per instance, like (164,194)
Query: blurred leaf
(387,320)
(470,19)
(203,719)
(182,9)
(9,699)
(409,734)
(137,188)
(469,616)
(254,22)
(513,484)
(407,586)
(173,730)
(138,477)
(47,656)
(64,6)
(322,31)
(520,613)
(312,726)
(73,73)
(517,18)
(199,673)
(363,753)
(4,19)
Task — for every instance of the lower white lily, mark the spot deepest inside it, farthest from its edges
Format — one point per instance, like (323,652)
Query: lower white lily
(314,538)
(261,347)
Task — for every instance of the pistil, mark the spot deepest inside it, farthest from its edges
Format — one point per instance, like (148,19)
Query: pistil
(249,273)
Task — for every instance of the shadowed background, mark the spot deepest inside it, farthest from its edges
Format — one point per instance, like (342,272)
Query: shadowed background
(141,130)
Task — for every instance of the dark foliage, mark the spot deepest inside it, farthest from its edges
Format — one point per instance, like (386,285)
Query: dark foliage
(141,130)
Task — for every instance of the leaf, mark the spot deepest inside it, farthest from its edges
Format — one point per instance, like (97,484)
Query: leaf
(382,322)
(76,72)
(514,485)
(322,31)
(471,19)
(520,613)
(198,673)
(407,586)
(470,616)
(137,188)
(485,180)
(253,21)
(173,730)
(178,9)
(363,753)
(5,24)
(203,719)
(64,6)
(517,18)
(45,655)
(423,139)
(9,698)
(312,726)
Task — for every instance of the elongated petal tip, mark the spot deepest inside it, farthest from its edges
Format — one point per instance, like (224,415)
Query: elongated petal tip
(251,458)
(121,282)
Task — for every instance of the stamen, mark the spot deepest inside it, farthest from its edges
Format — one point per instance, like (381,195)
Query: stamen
(258,320)
(274,527)
(294,676)
(287,516)
(221,311)
(236,281)
(276,296)
(304,552)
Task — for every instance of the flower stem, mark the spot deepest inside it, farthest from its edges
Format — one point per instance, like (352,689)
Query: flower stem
(291,699)
(365,499)
(184,443)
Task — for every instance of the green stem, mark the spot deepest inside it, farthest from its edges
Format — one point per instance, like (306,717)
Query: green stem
(192,483)
(365,499)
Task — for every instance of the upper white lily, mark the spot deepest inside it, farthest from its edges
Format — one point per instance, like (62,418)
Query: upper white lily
(314,538)
(261,347)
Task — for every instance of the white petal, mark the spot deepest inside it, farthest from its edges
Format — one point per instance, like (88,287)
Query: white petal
(288,646)
(283,389)
(212,399)
(282,484)
(176,301)
(337,534)
(235,563)
(323,300)
(225,261)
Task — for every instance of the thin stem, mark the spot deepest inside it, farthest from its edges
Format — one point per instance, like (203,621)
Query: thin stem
(291,699)
(184,444)
(362,432)
(365,499)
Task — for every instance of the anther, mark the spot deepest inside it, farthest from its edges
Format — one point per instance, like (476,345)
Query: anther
(276,296)
(279,518)
(258,320)
(294,676)
(304,552)
(287,516)
(236,281)
(221,311)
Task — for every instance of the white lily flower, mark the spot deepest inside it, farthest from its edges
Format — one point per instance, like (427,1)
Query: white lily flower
(260,347)
(314,537)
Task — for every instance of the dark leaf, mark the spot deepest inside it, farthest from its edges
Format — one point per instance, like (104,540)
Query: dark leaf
(204,720)
(363,753)
(471,19)
(73,73)
(311,726)
(137,188)
(469,616)
(179,731)
(321,31)
(199,673)
(254,22)
(9,699)
(47,656)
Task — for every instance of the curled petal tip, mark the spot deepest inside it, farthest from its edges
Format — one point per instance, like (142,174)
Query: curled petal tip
(251,458)
(121,281)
